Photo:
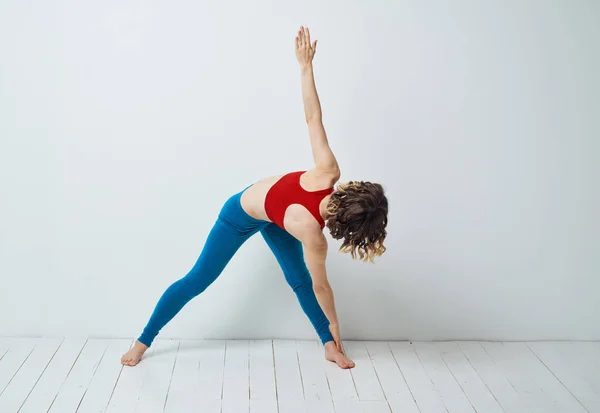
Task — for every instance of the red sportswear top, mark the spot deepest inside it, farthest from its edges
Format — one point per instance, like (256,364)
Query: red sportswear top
(287,191)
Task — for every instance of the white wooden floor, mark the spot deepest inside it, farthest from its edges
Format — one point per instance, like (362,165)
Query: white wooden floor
(237,376)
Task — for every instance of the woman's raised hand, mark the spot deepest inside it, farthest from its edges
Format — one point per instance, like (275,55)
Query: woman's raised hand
(305,51)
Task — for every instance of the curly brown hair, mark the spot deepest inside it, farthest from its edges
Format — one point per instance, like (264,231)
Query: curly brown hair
(358,215)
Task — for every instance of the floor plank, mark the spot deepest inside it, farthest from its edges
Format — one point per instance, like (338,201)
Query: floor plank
(197,380)
(545,379)
(263,405)
(494,377)
(45,391)
(347,405)
(196,361)
(23,382)
(312,369)
(287,372)
(206,406)
(236,405)
(157,381)
(590,355)
(567,362)
(374,406)
(319,406)
(210,371)
(390,377)
(449,391)
(307,406)
(425,393)
(343,389)
(538,386)
(236,384)
(79,378)
(470,382)
(534,398)
(262,374)
(287,405)
(182,395)
(13,359)
(365,377)
(102,385)
(5,343)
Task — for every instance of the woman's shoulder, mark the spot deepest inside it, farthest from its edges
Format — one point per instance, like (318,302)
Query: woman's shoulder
(303,226)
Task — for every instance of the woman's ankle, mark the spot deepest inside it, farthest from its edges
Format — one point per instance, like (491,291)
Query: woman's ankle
(139,345)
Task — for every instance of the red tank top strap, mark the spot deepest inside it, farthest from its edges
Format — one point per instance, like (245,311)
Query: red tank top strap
(287,191)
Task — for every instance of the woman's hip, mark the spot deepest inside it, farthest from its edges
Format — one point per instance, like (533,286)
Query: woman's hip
(233,215)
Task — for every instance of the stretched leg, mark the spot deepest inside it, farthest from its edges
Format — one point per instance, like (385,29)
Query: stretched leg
(230,231)
(220,246)
(289,254)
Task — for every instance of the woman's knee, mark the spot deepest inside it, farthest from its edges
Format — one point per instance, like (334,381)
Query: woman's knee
(300,280)
(193,284)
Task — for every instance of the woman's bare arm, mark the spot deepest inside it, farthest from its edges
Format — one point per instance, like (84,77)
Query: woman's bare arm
(325,161)
(315,254)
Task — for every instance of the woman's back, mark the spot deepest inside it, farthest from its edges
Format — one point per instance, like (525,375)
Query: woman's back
(308,187)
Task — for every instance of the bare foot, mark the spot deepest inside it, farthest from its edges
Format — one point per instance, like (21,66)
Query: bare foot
(134,355)
(332,354)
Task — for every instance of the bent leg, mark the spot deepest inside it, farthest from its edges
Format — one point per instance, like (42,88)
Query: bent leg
(289,254)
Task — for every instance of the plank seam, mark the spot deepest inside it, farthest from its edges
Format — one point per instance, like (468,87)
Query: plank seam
(171,378)
(67,376)
(275,374)
(556,377)
(429,377)
(91,378)
(479,375)
(20,365)
(405,381)
(378,380)
(115,386)
(41,374)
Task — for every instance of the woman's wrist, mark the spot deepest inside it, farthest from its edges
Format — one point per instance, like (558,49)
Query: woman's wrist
(307,68)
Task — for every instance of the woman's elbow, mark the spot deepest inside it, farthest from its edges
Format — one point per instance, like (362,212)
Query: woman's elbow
(336,173)
(320,288)
(314,119)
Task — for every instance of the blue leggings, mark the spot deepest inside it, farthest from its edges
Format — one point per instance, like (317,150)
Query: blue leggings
(233,227)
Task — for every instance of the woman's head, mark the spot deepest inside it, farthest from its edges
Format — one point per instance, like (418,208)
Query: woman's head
(358,216)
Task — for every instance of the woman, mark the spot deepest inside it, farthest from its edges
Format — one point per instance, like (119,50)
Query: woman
(290,212)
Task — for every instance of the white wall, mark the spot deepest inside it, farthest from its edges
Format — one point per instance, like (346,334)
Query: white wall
(125,124)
